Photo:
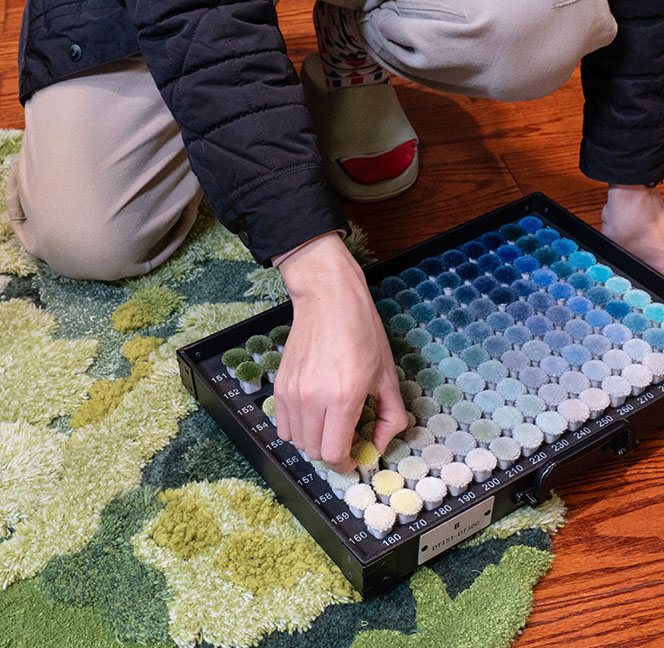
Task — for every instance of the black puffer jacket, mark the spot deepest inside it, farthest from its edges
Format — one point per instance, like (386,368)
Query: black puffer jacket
(222,69)
(623,83)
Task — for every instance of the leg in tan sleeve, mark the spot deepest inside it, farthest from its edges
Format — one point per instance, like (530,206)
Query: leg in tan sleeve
(102,188)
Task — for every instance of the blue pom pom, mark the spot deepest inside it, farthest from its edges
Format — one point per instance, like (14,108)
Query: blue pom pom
(433,352)
(402,323)
(465,294)
(448,279)
(481,308)
(530,224)
(559,315)
(508,253)
(600,272)
(618,285)
(512,231)
(468,270)
(578,329)
(564,247)
(557,339)
(493,240)
(579,305)
(456,342)
(499,321)
(432,266)
(526,264)
(538,324)
(533,377)
(387,308)
(599,295)
(460,317)
(485,284)
(582,260)
(617,308)
(562,268)
(392,285)
(474,356)
(547,235)
(520,310)
(444,304)
(474,249)
(376,293)
(619,333)
(598,345)
(496,345)
(422,312)
(452,258)
(546,255)
(407,298)
(514,361)
(580,281)
(506,274)
(428,289)
(439,327)
(413,276)
(489,262)
(540,301)
(536,350)
(554,365)
(575,354)
(597,318)
(418,337)
(654,337)
(502,295)
(517,334)
(527,244)
(478,331)
(543,277)
(523,287)
(561,290)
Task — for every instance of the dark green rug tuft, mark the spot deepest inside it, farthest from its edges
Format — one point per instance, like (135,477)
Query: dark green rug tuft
(127,518)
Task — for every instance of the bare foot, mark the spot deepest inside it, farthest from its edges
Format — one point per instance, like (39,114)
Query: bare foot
(633,217)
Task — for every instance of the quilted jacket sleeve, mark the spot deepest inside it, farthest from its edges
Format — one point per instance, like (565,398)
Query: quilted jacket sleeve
(222,69)
(623,83)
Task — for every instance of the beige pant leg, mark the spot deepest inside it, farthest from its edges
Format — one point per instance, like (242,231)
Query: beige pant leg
(102,187)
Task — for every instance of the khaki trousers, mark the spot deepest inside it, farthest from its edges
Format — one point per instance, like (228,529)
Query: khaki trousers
(102,187)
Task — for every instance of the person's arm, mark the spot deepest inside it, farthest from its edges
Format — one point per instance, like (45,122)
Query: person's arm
(222,69)
(337,353)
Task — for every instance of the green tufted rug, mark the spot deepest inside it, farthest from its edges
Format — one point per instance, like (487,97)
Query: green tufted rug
(127,518)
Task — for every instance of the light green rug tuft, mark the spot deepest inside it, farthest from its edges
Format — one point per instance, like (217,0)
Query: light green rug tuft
(127,518)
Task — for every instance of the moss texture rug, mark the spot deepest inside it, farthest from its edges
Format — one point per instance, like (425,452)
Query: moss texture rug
(127,518)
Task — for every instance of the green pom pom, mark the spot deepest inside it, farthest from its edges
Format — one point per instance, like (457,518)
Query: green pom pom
(279,334)
(448,395)
(233,358)
(430,378)
(258,344)
(249,372)
(268,407)
(270,361)
(413,362)
(424,407)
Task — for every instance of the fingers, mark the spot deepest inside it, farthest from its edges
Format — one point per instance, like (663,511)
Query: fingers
(338,434)
(281,411)
(390,415)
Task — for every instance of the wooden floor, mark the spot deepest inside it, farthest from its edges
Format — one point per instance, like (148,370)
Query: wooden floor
(606,588)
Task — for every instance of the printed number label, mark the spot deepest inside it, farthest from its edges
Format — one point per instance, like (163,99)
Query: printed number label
(443,510)
(232,393)
(258,427)
(584,431)
(273,445)
(536,458)
(604,421)
(560,445)
(245,410)
(393,539)
(625,409)
(418,524)
(514,470)
(305,479)
(467,497)
(219,377)
(290,461)
(342,517)
(325,497)
(358,537)
(644,398)
(490,483)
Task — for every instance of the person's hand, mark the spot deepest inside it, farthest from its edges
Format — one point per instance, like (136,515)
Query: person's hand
(337,353)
